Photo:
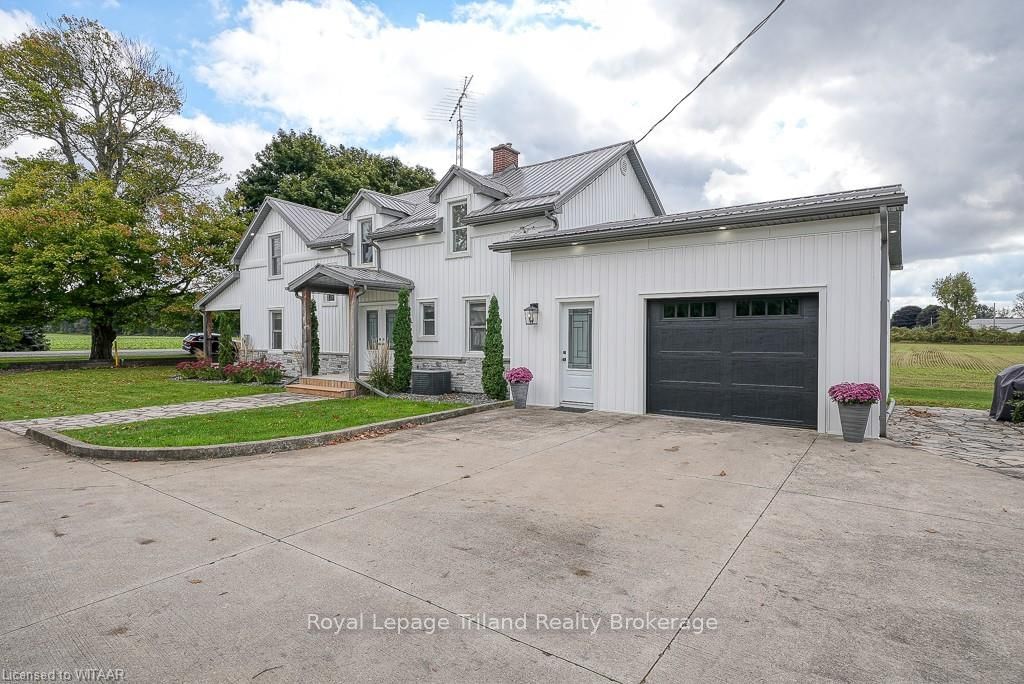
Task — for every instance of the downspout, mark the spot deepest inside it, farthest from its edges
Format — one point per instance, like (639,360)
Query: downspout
(376,248)
(347,251)
(550,216)
(883,323)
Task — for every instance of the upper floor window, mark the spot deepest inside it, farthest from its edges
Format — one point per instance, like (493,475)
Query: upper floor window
(274,249)
(459,235)
(365,246)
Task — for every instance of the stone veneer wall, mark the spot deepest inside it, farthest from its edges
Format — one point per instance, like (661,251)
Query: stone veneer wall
(466,372)
(330,362)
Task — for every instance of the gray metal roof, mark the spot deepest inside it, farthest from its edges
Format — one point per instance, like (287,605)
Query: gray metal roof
(388,204)
(812,207)
(324,278)
(217,289)
(549,184)
(482,184)
(423,220)
(309,223)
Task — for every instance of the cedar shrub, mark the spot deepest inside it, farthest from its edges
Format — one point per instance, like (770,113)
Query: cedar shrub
(493,377)
(401,339)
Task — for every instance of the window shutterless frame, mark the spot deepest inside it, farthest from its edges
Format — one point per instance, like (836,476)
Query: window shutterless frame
(428,319)
(458,232)
(365,246)
(275,258)
(276,325)
(330,299)
(476,324)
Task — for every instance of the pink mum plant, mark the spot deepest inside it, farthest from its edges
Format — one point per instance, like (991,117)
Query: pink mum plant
(855,393)
(518,375)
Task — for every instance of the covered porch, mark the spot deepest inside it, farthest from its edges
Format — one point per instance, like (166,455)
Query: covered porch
(351,282)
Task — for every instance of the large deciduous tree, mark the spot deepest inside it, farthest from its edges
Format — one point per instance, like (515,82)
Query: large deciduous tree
(1018,305)
(301,167)
(958,294)
(905,316)
(111,223)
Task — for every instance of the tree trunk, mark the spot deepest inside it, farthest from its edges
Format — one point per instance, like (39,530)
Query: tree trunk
(103,335)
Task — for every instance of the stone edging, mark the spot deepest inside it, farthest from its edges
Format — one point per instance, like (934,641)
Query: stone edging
(69,445)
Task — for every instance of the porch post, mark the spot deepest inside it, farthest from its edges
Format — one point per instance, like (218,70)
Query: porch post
(307,332)
(353,333)
(207,332)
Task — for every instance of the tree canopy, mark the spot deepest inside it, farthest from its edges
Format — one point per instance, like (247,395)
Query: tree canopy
(905,317)
(957,293)
(113,222)
(301,167)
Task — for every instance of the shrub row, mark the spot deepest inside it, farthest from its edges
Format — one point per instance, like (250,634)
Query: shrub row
(969,336)
(260,372)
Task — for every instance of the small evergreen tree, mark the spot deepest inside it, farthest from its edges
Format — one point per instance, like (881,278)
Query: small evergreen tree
(226,350)
(401,340)
(493,376)
(314,338)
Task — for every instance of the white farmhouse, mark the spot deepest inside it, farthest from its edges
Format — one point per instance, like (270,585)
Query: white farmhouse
(741,313)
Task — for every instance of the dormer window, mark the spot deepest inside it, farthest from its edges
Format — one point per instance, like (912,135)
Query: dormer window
(365,246)
(458,238)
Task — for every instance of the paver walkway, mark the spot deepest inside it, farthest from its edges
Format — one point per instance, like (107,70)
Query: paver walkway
(192,408)
(964,434)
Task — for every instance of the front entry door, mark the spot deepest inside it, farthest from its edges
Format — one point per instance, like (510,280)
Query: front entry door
(376,326)
(577,354)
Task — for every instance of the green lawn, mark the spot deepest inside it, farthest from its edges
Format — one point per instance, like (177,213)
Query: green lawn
(959,375)
(38,394)
(257,424)
(70,358)
(75,342)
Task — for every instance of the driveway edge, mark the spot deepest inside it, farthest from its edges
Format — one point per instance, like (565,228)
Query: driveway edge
(69,445)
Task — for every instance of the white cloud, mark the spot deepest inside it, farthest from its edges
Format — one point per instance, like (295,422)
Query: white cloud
(221,9)
(236,141)
(13,23)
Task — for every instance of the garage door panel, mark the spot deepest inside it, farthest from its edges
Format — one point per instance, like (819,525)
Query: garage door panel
(753,360)
(682,367)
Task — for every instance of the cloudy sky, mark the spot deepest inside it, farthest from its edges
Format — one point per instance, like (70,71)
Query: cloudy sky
(830,95)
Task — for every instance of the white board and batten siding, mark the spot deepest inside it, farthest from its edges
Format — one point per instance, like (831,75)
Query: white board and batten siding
(838,259)
(261,294)
(615,195)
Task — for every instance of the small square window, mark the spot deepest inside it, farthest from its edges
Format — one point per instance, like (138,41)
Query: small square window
(742,307)
(330,299)
(774,307)
(791,306)
(669,310)
(710,309)
(757,307)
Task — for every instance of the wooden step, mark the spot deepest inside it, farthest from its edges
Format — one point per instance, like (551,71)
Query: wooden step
(321,391)
(327,381)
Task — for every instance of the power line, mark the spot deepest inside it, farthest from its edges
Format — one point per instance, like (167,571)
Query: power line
(708,75)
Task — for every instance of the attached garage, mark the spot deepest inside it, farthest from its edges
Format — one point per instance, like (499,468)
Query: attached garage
(746,313)
(748,359)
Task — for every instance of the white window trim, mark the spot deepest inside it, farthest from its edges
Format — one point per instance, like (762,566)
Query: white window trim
(270,328)
(328,302)
(448,229)
(465,323)
(419,319)
(361,238)
(270,256)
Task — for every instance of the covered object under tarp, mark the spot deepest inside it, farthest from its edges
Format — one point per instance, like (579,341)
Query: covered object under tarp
(1007,382)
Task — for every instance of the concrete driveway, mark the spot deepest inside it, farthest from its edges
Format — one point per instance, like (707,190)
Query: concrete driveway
(795,557)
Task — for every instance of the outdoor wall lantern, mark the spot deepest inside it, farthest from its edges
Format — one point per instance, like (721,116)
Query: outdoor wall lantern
(532,314)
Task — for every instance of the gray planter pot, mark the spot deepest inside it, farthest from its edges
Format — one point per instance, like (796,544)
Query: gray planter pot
(519,392)
(854,418)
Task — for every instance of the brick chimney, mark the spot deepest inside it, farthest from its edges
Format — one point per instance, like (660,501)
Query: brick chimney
(505,156)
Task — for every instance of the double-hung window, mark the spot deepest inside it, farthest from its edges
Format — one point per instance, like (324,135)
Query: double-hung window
(428,319)
(276,329)
(365,246)
(476,329)
(458,238)
(274,256)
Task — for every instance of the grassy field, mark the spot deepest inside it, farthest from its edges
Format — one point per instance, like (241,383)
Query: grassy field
(39,394)
(257,424)
(74,342)
(959,375)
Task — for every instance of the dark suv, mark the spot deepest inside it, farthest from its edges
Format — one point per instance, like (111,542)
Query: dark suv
(193,342)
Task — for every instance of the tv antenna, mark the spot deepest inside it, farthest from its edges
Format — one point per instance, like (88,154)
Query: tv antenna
(456,106)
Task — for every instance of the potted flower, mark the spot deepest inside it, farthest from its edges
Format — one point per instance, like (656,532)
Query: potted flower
(854,400)
(519,379)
